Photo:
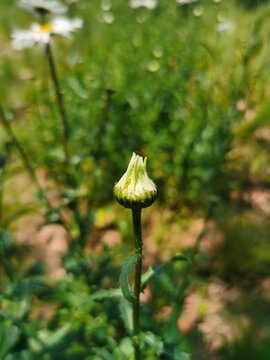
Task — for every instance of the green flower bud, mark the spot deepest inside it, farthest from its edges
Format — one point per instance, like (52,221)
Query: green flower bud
(135,190)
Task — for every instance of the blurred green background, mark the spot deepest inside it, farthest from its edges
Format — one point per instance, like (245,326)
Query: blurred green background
(188,87)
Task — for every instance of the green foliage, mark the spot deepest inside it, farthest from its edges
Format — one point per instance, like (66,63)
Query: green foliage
(252,3)
(247,348)
(169,84)
(187,128)
(8,337)
(101,294)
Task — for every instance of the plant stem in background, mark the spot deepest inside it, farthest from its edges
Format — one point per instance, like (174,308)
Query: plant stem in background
(74,206)
(1,196)
(23,155)
(185,282)
(60,103)
(104,118)
(180,296)
(136,217)
(178,303)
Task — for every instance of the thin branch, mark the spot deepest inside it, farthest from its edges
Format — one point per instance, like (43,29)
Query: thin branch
(60,103)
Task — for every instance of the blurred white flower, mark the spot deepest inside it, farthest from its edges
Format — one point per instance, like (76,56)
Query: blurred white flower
(153,66)
(106,5)
(41,33)
(184,2)
(42,6)
(198,11)
(149,4)
(225,25)
(108,17)
(158,51)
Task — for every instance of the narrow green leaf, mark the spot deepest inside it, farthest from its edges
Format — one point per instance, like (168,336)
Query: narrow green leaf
(180,355)
(53,339)
(21,355)
(8,338)
(7,314)
(147,276)
(103,294)
(103,353)
(151,271)
(153,341)
(176,354)
(126,314)
(124,284)
(126,348)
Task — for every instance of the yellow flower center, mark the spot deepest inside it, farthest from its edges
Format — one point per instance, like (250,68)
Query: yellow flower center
(45,28)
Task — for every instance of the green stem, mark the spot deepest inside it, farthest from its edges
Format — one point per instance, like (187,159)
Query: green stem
(185,282)
(1,196)
(180,295)
(60,102)
(74,206)
(136,216)
(104,119)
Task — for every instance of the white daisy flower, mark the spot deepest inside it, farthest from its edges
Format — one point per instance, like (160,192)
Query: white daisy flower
(41,33)
(43,6)
(184,2)
(149,4)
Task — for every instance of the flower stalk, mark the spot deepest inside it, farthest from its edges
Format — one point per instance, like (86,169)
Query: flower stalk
(2,166)
(41,33)
(136,217)
(74,206)
(60,102)
(135,190)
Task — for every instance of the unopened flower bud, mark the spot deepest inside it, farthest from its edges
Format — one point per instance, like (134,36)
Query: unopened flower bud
(135,190)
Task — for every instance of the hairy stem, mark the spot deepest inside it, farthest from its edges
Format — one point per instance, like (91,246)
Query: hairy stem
(74,206)
(136,216)
(104,118)
(60,102)
(1,196)
(185,282)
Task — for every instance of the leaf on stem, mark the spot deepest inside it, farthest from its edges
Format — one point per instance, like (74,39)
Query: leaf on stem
(103,294)
(151,271)
(153,341)
(126,314)
(161,347)
(124,284)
